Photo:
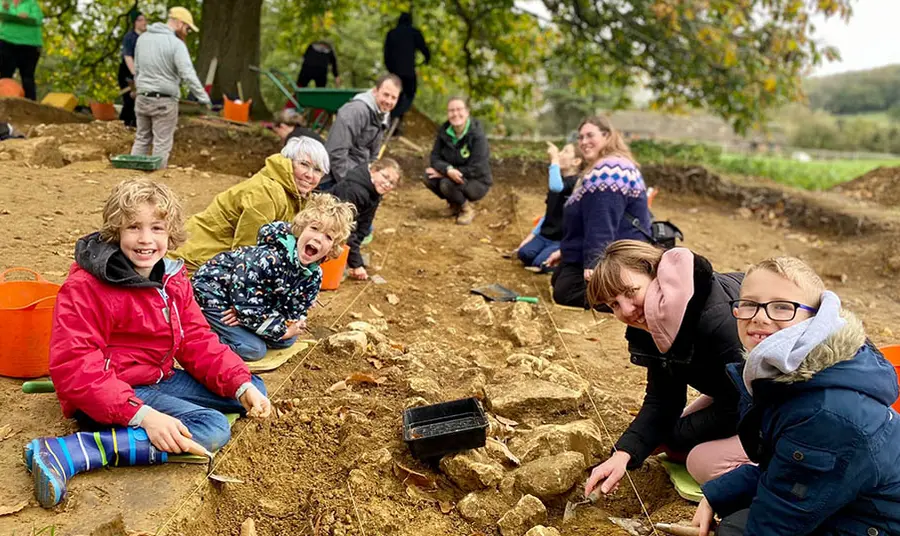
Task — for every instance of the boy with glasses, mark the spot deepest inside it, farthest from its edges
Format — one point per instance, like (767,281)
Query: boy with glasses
(364,187)
(276,193)
(816,416)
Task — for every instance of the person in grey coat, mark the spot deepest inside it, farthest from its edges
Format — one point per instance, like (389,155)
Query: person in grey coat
(162,62)
(359,127)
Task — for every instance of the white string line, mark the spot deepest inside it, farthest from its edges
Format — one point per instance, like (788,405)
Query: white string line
(571,361)
(229,447)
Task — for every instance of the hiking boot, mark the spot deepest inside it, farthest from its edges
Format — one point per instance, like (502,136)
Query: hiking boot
(466,214)
(451,210)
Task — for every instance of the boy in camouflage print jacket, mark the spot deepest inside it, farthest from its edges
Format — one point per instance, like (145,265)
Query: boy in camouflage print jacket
(257,297)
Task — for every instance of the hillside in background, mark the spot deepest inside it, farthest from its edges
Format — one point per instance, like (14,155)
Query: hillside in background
(874,91)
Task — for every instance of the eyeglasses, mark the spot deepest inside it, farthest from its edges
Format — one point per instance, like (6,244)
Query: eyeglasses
(309,167)
(779,311)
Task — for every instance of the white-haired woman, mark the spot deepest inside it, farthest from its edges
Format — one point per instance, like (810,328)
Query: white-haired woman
(276,193)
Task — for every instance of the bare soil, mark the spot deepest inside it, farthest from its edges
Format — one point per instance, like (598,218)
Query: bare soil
(326,464)
(881,185)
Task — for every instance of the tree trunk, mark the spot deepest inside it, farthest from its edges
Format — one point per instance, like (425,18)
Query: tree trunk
(231,33)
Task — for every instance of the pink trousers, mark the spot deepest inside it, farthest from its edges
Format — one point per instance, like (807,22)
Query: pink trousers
(712,459)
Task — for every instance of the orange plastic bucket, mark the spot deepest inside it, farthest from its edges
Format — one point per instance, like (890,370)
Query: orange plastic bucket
(26,314)
(333,270)
(103,111)
(892,354)
(236,111)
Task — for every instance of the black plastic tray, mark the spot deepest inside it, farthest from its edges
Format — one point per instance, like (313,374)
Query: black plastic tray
(440,429)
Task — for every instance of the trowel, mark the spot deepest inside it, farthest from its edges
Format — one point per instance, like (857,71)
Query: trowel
(197,449)
(571,506)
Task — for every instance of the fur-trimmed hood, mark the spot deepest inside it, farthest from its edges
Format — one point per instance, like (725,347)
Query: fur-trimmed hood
(845,360)
(841,345)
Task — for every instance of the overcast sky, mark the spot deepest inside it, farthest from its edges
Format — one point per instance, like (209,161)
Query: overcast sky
(868,40)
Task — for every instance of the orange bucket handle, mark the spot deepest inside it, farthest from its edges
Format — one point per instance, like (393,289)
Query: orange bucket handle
(31,305)
(37,276)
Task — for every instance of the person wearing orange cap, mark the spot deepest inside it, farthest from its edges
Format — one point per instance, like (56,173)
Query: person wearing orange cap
(162,63)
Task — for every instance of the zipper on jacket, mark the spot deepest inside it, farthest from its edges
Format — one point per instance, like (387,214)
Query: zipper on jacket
(168,316)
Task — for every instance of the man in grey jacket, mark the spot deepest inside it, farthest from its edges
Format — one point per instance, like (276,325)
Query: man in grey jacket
(359,127)
(161,63)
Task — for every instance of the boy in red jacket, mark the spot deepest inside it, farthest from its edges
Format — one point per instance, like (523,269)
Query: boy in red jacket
(123,317)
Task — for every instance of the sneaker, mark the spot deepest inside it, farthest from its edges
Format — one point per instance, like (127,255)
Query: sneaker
(466,215)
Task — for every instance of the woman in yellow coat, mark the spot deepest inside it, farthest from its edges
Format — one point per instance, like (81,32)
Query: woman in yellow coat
(276,193)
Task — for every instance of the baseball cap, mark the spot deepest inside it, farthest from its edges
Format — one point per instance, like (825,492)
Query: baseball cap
(182,14)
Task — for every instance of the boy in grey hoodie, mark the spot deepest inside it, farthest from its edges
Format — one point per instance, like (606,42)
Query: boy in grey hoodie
(359,127)
(162,62)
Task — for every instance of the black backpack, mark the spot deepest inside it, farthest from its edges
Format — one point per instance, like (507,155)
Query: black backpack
(662,233)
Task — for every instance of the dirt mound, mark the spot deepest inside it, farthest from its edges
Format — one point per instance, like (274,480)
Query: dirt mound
(204,144)
(23,112)
(881,185)
(779,205)
(418,127)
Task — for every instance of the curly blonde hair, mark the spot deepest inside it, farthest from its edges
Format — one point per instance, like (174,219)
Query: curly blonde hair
(129,196)
(337,219)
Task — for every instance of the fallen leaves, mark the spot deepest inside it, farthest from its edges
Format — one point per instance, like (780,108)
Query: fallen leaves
(6,432)
(408,476)
(357,378)
(504,450)
(375,363)
(375,311)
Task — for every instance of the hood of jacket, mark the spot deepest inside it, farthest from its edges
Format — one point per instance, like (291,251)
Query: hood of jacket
(279,236)
(368,97)
(107,262)
(160,28)
(281,170)
(838,362)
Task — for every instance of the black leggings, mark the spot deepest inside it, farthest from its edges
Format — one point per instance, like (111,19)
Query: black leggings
(407,96)
(25,59)
(569,285)
(457,194)
(734,524)
(319,76)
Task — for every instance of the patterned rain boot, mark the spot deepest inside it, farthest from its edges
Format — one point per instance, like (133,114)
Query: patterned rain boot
(54,460)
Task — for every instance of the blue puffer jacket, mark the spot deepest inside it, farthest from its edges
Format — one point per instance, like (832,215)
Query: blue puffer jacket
(827,443)
(266,284)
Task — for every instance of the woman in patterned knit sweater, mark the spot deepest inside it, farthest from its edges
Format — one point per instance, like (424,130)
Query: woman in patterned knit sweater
(601,209)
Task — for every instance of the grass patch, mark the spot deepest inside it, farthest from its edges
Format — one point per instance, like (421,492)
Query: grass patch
(814,175)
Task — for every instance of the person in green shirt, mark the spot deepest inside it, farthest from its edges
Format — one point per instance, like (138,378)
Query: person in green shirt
(21,24)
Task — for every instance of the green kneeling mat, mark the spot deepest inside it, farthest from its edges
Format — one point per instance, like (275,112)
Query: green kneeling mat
(276,357)
(684,483)
(193,458)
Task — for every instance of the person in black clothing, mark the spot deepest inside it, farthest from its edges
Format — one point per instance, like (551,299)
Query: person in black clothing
(363,187)
(289,124)
(460,169)
(543,240)
(680,328)
(400,47)
(316,60)
(126,67)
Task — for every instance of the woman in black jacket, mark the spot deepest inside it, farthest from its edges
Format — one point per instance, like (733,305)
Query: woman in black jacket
(460,171)
(681,328)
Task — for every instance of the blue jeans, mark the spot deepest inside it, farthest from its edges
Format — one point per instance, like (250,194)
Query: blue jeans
(535,252)
(245,343)
(186,399)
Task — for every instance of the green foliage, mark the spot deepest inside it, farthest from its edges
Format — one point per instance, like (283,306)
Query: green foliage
(83,40)
(814,175)
(736,58)
(874,90)
(820,130)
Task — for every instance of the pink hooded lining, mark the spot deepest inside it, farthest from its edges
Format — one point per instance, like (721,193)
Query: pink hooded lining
(667,296)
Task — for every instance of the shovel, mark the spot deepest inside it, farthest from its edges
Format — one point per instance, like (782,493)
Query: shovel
(197,449)
(500,293)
